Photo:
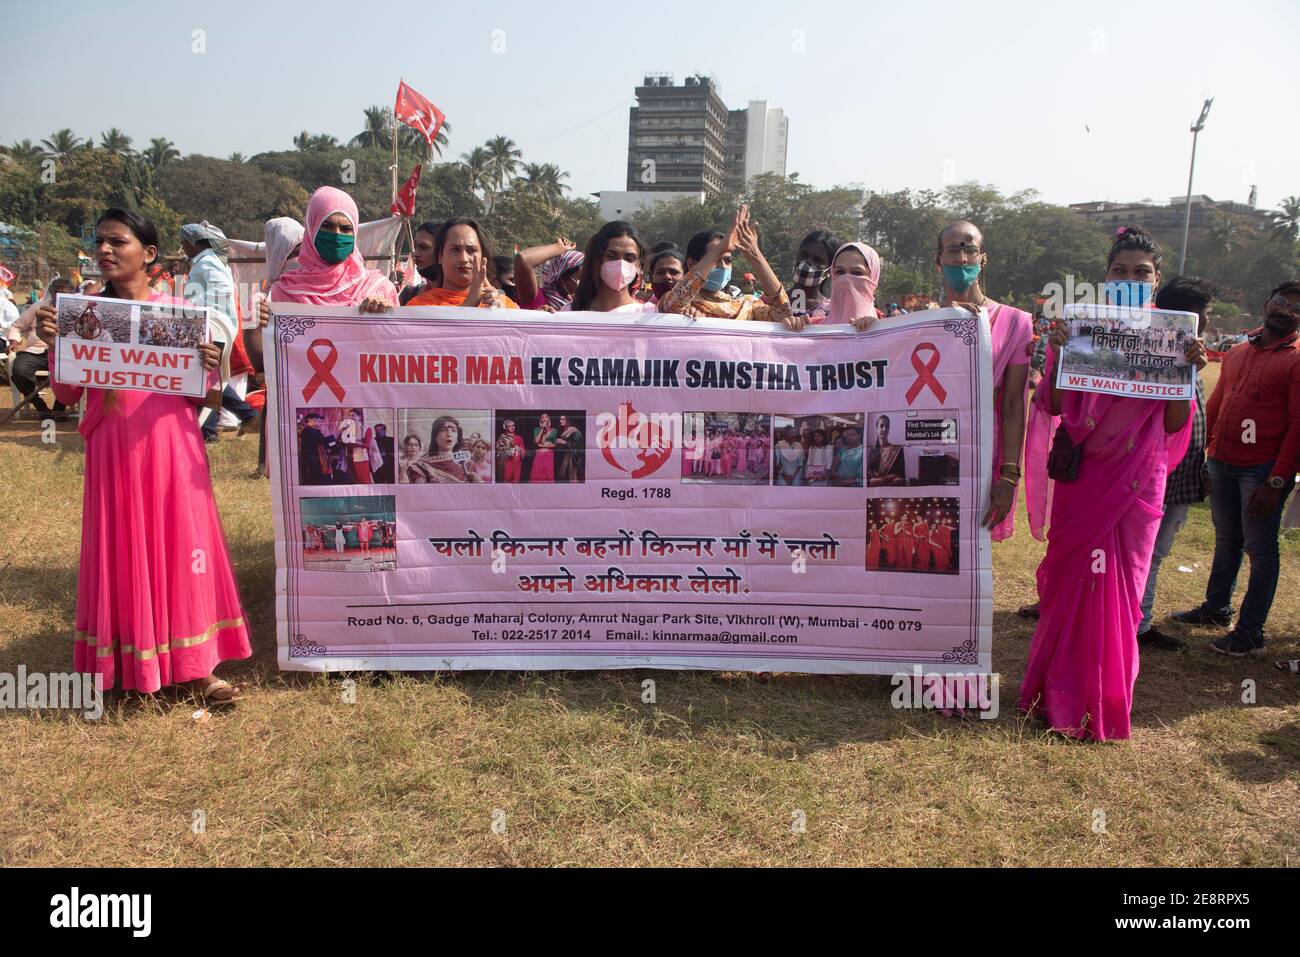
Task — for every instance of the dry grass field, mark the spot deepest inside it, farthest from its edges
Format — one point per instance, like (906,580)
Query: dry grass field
(715,773)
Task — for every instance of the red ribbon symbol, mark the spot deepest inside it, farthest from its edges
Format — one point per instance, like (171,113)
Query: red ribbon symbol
(322,368)
(925,374)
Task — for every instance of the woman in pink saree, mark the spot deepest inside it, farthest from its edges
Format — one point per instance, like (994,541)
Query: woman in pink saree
(145,610)
(1083,659)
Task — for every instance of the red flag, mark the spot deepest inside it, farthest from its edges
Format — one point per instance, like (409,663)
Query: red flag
(404,205)
(417,112)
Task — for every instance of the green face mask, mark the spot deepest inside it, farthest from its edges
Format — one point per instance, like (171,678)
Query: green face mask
(334,247)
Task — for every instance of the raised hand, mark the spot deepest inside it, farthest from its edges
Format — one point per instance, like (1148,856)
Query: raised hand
(47,324)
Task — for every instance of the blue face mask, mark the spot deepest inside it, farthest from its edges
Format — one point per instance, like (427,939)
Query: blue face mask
(718,277)
(1126,292)
(961,278)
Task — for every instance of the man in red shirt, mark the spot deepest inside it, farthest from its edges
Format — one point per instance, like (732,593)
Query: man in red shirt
(1253,424)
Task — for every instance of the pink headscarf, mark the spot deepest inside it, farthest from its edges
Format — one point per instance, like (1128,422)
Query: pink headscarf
(854,296)
(316,282)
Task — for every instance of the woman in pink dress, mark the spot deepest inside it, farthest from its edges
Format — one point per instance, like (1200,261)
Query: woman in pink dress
(960,259)
(146,610)
(544,437)
(1083,659)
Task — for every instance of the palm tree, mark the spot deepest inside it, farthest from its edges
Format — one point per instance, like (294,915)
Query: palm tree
(412,141)
(115,141)
(477,165)
(503,160)
(323,141)
(378,131)
(62,143)
(544,179)
(26,150)
(236,158)
(302,141)
(1286,221)
(1224,234)
(161,151)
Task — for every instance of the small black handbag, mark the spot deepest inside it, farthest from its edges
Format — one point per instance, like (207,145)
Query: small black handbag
(1063,461)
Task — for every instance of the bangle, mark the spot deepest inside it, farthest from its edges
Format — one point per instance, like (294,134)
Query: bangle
(1009,481)
(1011,469)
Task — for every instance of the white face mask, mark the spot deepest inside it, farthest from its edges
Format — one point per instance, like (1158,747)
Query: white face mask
(618,273)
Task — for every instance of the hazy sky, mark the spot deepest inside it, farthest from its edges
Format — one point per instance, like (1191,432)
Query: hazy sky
(889,95)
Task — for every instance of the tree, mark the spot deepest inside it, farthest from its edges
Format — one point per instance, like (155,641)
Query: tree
(20,192)
(302,141)
(477,166)
(1286,221)
(115,141)
(62,144)
(26,152)
(378,131)
(237,197)
(236,158)
(323,141)
(91,180)
(546,180)
(161,151)
(412,141)
(503,159)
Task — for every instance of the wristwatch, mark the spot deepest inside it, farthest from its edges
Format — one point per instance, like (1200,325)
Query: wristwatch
(1276,481)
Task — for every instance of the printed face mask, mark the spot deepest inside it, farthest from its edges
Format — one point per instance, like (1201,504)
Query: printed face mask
(334,247)
(961,278)
(618,273)
(719,276)
(807,275)
(1127,292)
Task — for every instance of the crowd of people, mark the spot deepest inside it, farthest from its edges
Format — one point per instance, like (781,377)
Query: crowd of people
(825,457)
(727,453)
(1108,474)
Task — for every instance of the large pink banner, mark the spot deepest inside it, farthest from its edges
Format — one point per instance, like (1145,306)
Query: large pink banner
(460,488)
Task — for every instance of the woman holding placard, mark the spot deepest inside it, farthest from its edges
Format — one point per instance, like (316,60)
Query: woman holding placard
(156,594)
(1109,459)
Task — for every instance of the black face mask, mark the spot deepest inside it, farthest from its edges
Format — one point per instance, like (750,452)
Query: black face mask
(430,274)
(663,287)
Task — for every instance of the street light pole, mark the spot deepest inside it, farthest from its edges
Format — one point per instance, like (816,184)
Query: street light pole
(1187,212)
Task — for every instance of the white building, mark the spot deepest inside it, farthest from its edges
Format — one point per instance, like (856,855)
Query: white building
(767,137)
(621,203)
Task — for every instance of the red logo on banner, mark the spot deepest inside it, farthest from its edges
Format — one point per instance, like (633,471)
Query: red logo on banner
(323,367)
(925,374)
(417,112)
(636,444)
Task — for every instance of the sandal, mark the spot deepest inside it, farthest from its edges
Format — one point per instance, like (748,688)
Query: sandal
(215,692)
(1292,666)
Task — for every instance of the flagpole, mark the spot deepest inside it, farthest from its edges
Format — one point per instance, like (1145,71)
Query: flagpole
(392,251)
